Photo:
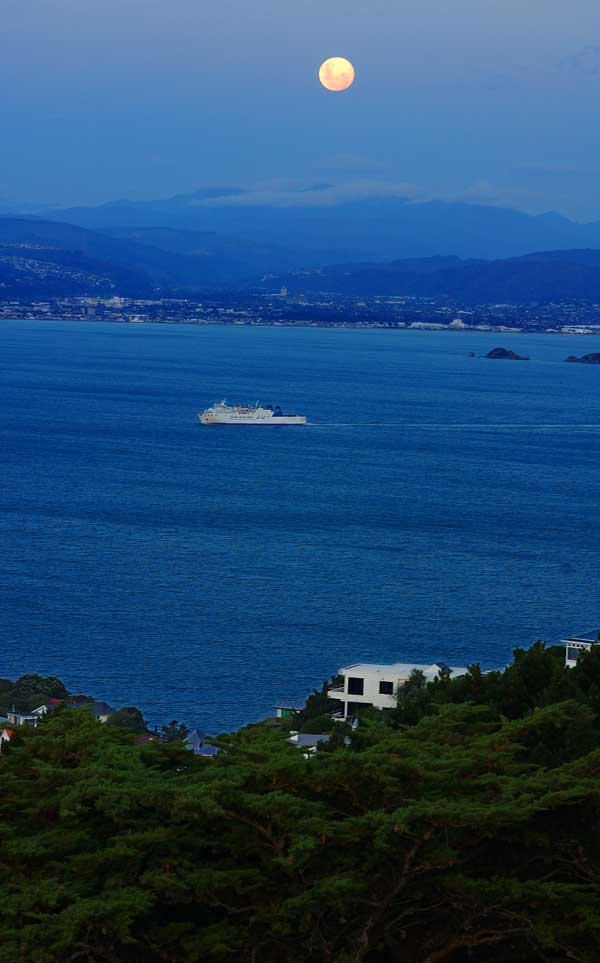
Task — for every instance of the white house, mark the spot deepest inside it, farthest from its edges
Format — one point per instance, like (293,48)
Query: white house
(367,684)
(576,644)
(26,718)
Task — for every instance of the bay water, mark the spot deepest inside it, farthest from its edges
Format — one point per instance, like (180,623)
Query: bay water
(437,507)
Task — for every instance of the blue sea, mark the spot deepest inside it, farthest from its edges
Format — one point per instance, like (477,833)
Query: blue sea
(437,507)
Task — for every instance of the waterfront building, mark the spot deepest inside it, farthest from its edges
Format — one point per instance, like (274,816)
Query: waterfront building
(367,684)
(196,742)
(576,644)
(286,709)
(32,718)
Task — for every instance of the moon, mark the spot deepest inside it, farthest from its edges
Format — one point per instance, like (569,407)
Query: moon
(336,73)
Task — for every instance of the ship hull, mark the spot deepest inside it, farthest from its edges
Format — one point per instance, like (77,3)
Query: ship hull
(273,422)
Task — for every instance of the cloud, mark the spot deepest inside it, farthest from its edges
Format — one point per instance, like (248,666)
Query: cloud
(583,63)
(284,193)
(314,195)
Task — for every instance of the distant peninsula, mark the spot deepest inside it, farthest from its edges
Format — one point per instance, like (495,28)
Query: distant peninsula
(593,358)
(507,355)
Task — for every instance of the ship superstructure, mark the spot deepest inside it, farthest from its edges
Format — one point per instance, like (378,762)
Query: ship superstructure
(223,414)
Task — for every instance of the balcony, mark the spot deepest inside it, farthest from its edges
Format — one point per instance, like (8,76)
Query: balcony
(338,692)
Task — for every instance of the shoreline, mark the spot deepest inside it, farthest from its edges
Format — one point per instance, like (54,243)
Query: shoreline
(350,326)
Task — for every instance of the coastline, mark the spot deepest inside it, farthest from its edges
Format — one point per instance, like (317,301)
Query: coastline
(576,331)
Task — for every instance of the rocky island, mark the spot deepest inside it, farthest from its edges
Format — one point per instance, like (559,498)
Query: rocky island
(506,354)
(593,358)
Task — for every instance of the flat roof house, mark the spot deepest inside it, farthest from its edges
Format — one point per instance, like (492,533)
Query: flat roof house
(576,644)
(368,684)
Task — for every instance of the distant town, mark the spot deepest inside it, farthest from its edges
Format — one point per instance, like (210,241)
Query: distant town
(316,310)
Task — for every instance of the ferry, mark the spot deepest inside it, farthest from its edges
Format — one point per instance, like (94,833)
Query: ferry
(223,414)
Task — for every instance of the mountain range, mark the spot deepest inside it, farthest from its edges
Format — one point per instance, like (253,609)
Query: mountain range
(338,231)
(225,238)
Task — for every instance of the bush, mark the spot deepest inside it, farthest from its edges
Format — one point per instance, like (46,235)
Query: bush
(129,718)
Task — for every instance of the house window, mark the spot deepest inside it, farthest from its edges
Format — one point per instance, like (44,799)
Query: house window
(573,653)
(386,688)
(356,686)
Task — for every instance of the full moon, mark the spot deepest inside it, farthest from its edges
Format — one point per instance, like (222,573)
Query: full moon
(336,73)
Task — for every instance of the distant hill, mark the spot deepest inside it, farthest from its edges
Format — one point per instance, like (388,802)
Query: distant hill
(544,276)
(41,258)
(371,229)
(217,259)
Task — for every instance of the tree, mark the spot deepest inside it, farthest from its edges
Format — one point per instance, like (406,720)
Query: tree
(174,732)
(317,704)
(129,718)
(31,691)
(442,842)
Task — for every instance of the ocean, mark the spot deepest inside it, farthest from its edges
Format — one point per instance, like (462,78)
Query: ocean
(437,507)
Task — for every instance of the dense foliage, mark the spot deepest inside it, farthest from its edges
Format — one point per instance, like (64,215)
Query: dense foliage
(128,718)
(470,833)
(29,692)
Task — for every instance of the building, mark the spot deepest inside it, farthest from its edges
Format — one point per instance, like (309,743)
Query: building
(286,709)
(196,742)
(32,718)
(24,718)
(99,710)
(308,740)
(576,644)
(367,684)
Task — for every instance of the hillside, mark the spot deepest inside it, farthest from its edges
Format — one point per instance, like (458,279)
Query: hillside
(213,257)
(544,276)
(41,258)
(458,827)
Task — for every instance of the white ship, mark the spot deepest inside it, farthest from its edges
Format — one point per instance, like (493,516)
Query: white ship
(223,414)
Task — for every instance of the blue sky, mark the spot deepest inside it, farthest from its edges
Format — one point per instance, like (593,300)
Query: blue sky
(489,100)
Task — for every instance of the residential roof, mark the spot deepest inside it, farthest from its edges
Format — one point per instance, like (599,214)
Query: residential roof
(208,750)
(402,669)
(307,739)
(194,739)
(96,708)
(584,637)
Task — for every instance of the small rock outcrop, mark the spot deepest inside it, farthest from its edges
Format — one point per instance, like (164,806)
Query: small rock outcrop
(593,358)
(506,354)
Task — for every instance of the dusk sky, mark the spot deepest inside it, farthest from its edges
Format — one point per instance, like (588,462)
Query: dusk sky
(488,100)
